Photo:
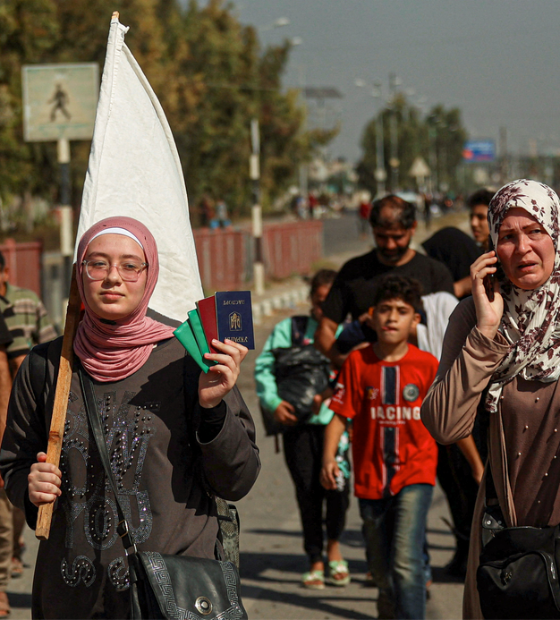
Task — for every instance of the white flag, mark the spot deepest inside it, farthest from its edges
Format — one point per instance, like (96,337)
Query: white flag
(134,170)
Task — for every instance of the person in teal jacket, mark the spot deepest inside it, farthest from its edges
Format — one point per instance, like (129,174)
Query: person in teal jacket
(303,448)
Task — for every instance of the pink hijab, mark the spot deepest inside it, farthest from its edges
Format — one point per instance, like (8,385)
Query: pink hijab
(113,352)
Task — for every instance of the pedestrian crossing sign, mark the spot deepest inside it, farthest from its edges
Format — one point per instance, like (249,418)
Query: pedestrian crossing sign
(59,101)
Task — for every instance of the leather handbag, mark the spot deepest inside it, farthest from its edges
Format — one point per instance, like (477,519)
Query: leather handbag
(518,572)
(168,586)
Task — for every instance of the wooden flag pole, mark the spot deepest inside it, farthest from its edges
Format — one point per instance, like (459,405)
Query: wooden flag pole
(56,433)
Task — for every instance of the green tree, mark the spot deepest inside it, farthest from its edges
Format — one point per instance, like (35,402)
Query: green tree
(27,28)
(447,138)
(208,70)
(438,138)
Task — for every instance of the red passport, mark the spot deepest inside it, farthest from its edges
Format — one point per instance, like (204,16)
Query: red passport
(207,312)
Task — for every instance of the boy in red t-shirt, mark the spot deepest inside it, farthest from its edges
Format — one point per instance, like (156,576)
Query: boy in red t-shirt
(381,388)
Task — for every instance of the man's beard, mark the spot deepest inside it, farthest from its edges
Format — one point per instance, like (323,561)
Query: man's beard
(395,256)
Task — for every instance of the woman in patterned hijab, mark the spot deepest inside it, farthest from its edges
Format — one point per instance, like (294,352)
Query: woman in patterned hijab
(506,340)
(524,226)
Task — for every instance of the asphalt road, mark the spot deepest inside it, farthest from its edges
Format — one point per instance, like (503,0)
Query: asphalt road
(340,235)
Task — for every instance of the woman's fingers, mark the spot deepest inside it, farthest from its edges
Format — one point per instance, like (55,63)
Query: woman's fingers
(220,378)
(483,265)
(231,356)
(233,349)
(44,482)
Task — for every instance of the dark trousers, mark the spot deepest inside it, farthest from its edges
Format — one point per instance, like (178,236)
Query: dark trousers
(303,449)
(455,477)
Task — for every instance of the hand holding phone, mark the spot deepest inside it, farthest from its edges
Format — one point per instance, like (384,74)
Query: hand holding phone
(487,298)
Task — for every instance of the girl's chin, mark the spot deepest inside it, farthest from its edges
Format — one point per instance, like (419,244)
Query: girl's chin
(111,316)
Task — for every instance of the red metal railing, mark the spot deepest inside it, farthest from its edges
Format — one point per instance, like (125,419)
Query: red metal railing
(225,256)
(291,247)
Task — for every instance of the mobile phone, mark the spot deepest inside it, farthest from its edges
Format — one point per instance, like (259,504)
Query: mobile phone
(488,280)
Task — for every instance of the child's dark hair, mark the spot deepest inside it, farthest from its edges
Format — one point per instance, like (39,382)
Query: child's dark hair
(400,287)
(323,277)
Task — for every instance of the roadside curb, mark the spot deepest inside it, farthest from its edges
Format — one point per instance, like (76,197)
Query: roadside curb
(279,299)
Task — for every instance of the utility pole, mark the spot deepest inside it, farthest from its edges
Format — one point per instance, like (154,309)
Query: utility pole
(503,156)
(394,160)
(255,175)
(380,173)
(65,211)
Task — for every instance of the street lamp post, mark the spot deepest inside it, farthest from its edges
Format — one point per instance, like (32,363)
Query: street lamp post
(380,173)
(280,22)
(394,162)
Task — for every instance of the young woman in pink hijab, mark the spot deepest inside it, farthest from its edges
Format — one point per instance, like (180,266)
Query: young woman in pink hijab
(175,436)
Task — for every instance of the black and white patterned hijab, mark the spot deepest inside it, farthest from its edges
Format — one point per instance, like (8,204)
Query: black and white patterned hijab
(531,319)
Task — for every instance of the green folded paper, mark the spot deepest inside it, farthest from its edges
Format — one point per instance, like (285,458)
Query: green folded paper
(198,331)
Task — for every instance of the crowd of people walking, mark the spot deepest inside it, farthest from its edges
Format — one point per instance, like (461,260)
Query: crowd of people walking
(428,364)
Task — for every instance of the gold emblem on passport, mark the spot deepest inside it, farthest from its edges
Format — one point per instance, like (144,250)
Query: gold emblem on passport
(235,322)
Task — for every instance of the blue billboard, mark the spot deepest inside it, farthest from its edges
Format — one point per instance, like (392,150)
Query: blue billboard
(479,150)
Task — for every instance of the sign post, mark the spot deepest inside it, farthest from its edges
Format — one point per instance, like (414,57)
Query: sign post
(420,171)
(255,175)
(59,101)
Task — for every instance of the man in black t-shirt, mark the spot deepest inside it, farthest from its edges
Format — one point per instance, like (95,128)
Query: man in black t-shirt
(393,221)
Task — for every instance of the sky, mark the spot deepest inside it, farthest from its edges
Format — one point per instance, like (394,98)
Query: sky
(497,60)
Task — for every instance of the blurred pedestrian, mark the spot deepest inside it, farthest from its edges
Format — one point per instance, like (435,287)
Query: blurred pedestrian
(427,200)
(478,207)
(304,427)
(29,324)
(221,218)
(26,318)
(205,211)
(363,216)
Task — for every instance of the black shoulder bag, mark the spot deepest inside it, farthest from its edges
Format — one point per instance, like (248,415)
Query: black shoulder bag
(518,572)
(168,586)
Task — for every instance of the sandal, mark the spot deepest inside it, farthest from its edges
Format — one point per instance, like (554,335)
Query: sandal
(313,580)
(338,573)
(17,568)
(4,605)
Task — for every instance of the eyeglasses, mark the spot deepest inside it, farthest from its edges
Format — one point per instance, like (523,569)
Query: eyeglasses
(129,270)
